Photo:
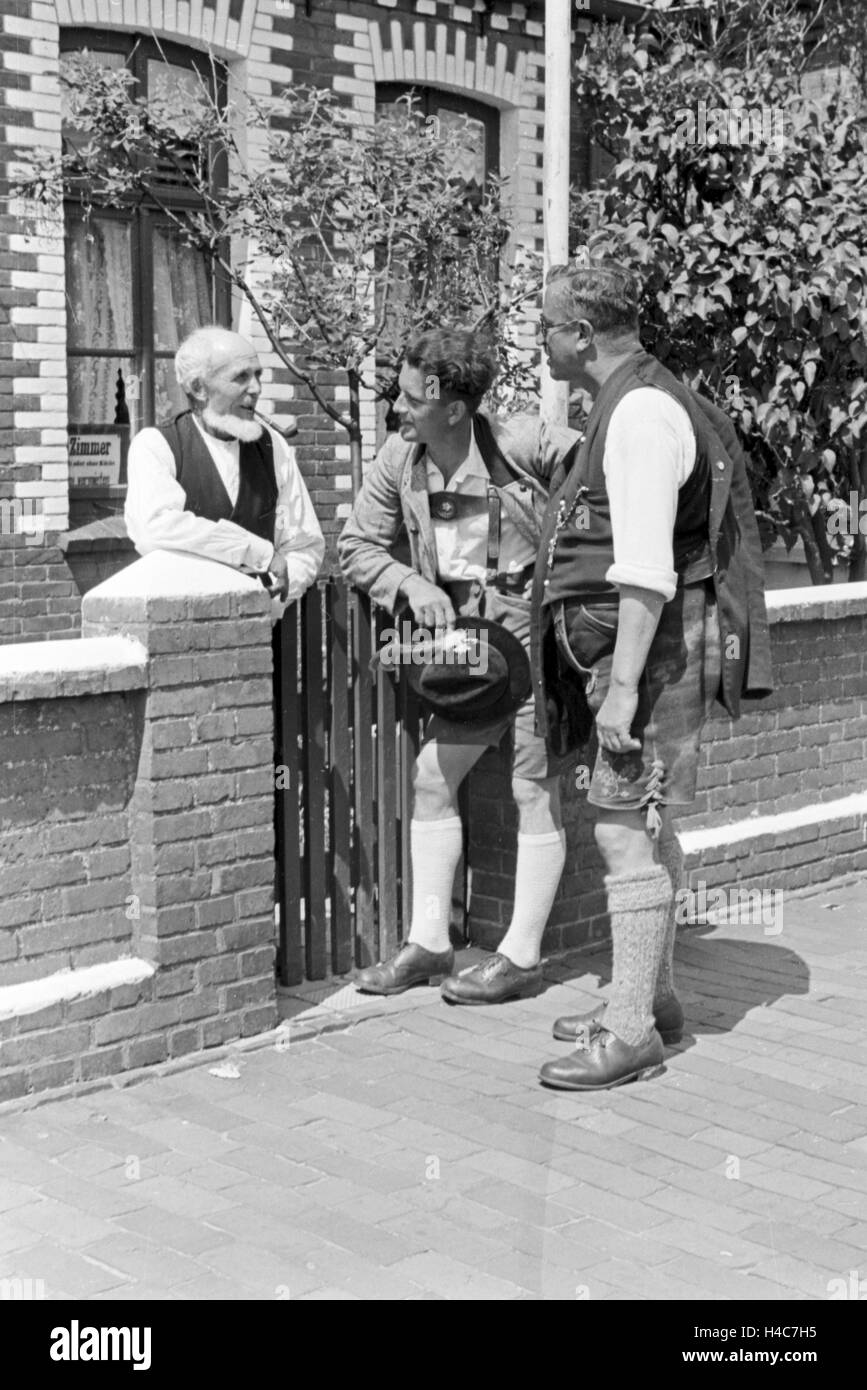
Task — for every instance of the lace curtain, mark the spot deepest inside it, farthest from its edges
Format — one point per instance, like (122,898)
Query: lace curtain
(99,315)
(182,302)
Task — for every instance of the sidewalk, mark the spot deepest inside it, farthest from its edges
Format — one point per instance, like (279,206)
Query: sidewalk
(412,1154)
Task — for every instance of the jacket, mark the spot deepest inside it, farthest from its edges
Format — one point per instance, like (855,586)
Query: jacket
(520,453)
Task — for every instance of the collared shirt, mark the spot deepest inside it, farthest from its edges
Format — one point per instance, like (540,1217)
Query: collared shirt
(157,519)
(650,452)
(462,544)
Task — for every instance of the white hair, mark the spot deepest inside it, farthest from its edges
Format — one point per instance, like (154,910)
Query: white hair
(194,359)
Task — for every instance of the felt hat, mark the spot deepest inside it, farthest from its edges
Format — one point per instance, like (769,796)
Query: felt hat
(477,672)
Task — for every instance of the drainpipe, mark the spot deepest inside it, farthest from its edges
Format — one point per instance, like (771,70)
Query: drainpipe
(555,173)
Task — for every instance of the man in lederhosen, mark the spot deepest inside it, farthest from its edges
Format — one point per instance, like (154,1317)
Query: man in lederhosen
(649,602)
(471,490)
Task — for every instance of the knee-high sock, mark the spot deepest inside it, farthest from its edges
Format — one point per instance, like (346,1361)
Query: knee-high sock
(436,847)
(670,859)
(638,905)
(537,875)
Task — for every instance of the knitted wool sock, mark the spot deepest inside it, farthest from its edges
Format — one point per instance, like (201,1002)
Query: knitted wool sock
(436,847)
(537,875)
(638,905)
(670,859)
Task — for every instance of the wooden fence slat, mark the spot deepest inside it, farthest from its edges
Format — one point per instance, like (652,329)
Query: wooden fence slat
(290,959)
(340,786)
(315,697)
(387,802)
(408,746)
(364,823)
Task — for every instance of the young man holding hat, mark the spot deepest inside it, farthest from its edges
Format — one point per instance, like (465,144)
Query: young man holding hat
(471,490)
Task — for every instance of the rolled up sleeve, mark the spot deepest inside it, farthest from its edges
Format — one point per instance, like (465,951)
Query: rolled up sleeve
(649,454)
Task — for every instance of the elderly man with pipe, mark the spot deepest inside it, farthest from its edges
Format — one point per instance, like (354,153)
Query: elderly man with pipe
(217,482)
(649,604)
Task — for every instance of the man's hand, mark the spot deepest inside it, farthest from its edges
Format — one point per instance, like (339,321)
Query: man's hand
(431,606)
(280,570)
(614,720)
(638,619)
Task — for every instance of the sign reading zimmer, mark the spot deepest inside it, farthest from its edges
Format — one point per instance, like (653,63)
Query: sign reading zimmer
(94,457)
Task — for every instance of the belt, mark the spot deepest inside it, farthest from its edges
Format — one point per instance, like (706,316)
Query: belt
(460,589)
(695,567)
(513,583)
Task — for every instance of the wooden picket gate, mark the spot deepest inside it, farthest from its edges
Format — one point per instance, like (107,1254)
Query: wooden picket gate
(345,740)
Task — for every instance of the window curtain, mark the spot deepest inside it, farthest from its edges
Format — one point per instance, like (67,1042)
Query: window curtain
(182,302)
(99,300)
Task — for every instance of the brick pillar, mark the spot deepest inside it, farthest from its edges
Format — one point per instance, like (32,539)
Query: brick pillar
(201,822)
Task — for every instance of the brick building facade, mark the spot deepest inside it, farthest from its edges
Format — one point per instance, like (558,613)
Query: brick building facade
(59,537)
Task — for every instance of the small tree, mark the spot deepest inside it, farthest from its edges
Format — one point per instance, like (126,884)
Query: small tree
(357,234)
(744,207)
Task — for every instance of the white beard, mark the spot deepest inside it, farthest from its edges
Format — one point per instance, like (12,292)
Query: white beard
(233,425)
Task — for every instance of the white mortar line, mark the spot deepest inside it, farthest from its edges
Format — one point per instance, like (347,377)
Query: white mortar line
(817,813)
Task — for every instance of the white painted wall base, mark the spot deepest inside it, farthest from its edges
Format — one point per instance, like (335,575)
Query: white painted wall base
(33,995)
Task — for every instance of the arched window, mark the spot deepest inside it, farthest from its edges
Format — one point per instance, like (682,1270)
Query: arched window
(480,127)
(133,289)
(480,123)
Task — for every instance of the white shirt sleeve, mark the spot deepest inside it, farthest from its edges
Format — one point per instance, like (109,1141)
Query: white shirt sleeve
(650,452)
(297,533)
(157,519)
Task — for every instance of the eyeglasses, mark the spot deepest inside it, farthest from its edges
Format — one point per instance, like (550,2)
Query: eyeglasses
(546,328)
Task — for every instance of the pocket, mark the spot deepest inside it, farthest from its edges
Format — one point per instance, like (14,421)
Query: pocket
(591,631)
(600,624)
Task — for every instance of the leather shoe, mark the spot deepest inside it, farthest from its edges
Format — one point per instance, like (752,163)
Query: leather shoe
(494,980)
(411,965)
(668,1019)
(606,1061)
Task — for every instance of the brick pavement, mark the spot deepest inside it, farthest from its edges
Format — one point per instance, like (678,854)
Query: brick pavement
(412,1155)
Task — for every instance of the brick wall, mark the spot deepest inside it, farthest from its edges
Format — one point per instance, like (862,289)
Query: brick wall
(68,772)
(141,828)
(803,750)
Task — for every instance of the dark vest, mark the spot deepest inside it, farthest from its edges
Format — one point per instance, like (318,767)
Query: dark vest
(583,547)
(256,507)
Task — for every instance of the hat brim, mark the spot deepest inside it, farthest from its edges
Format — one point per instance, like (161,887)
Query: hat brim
(447,689)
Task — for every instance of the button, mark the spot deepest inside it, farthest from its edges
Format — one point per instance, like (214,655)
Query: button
(720,464)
